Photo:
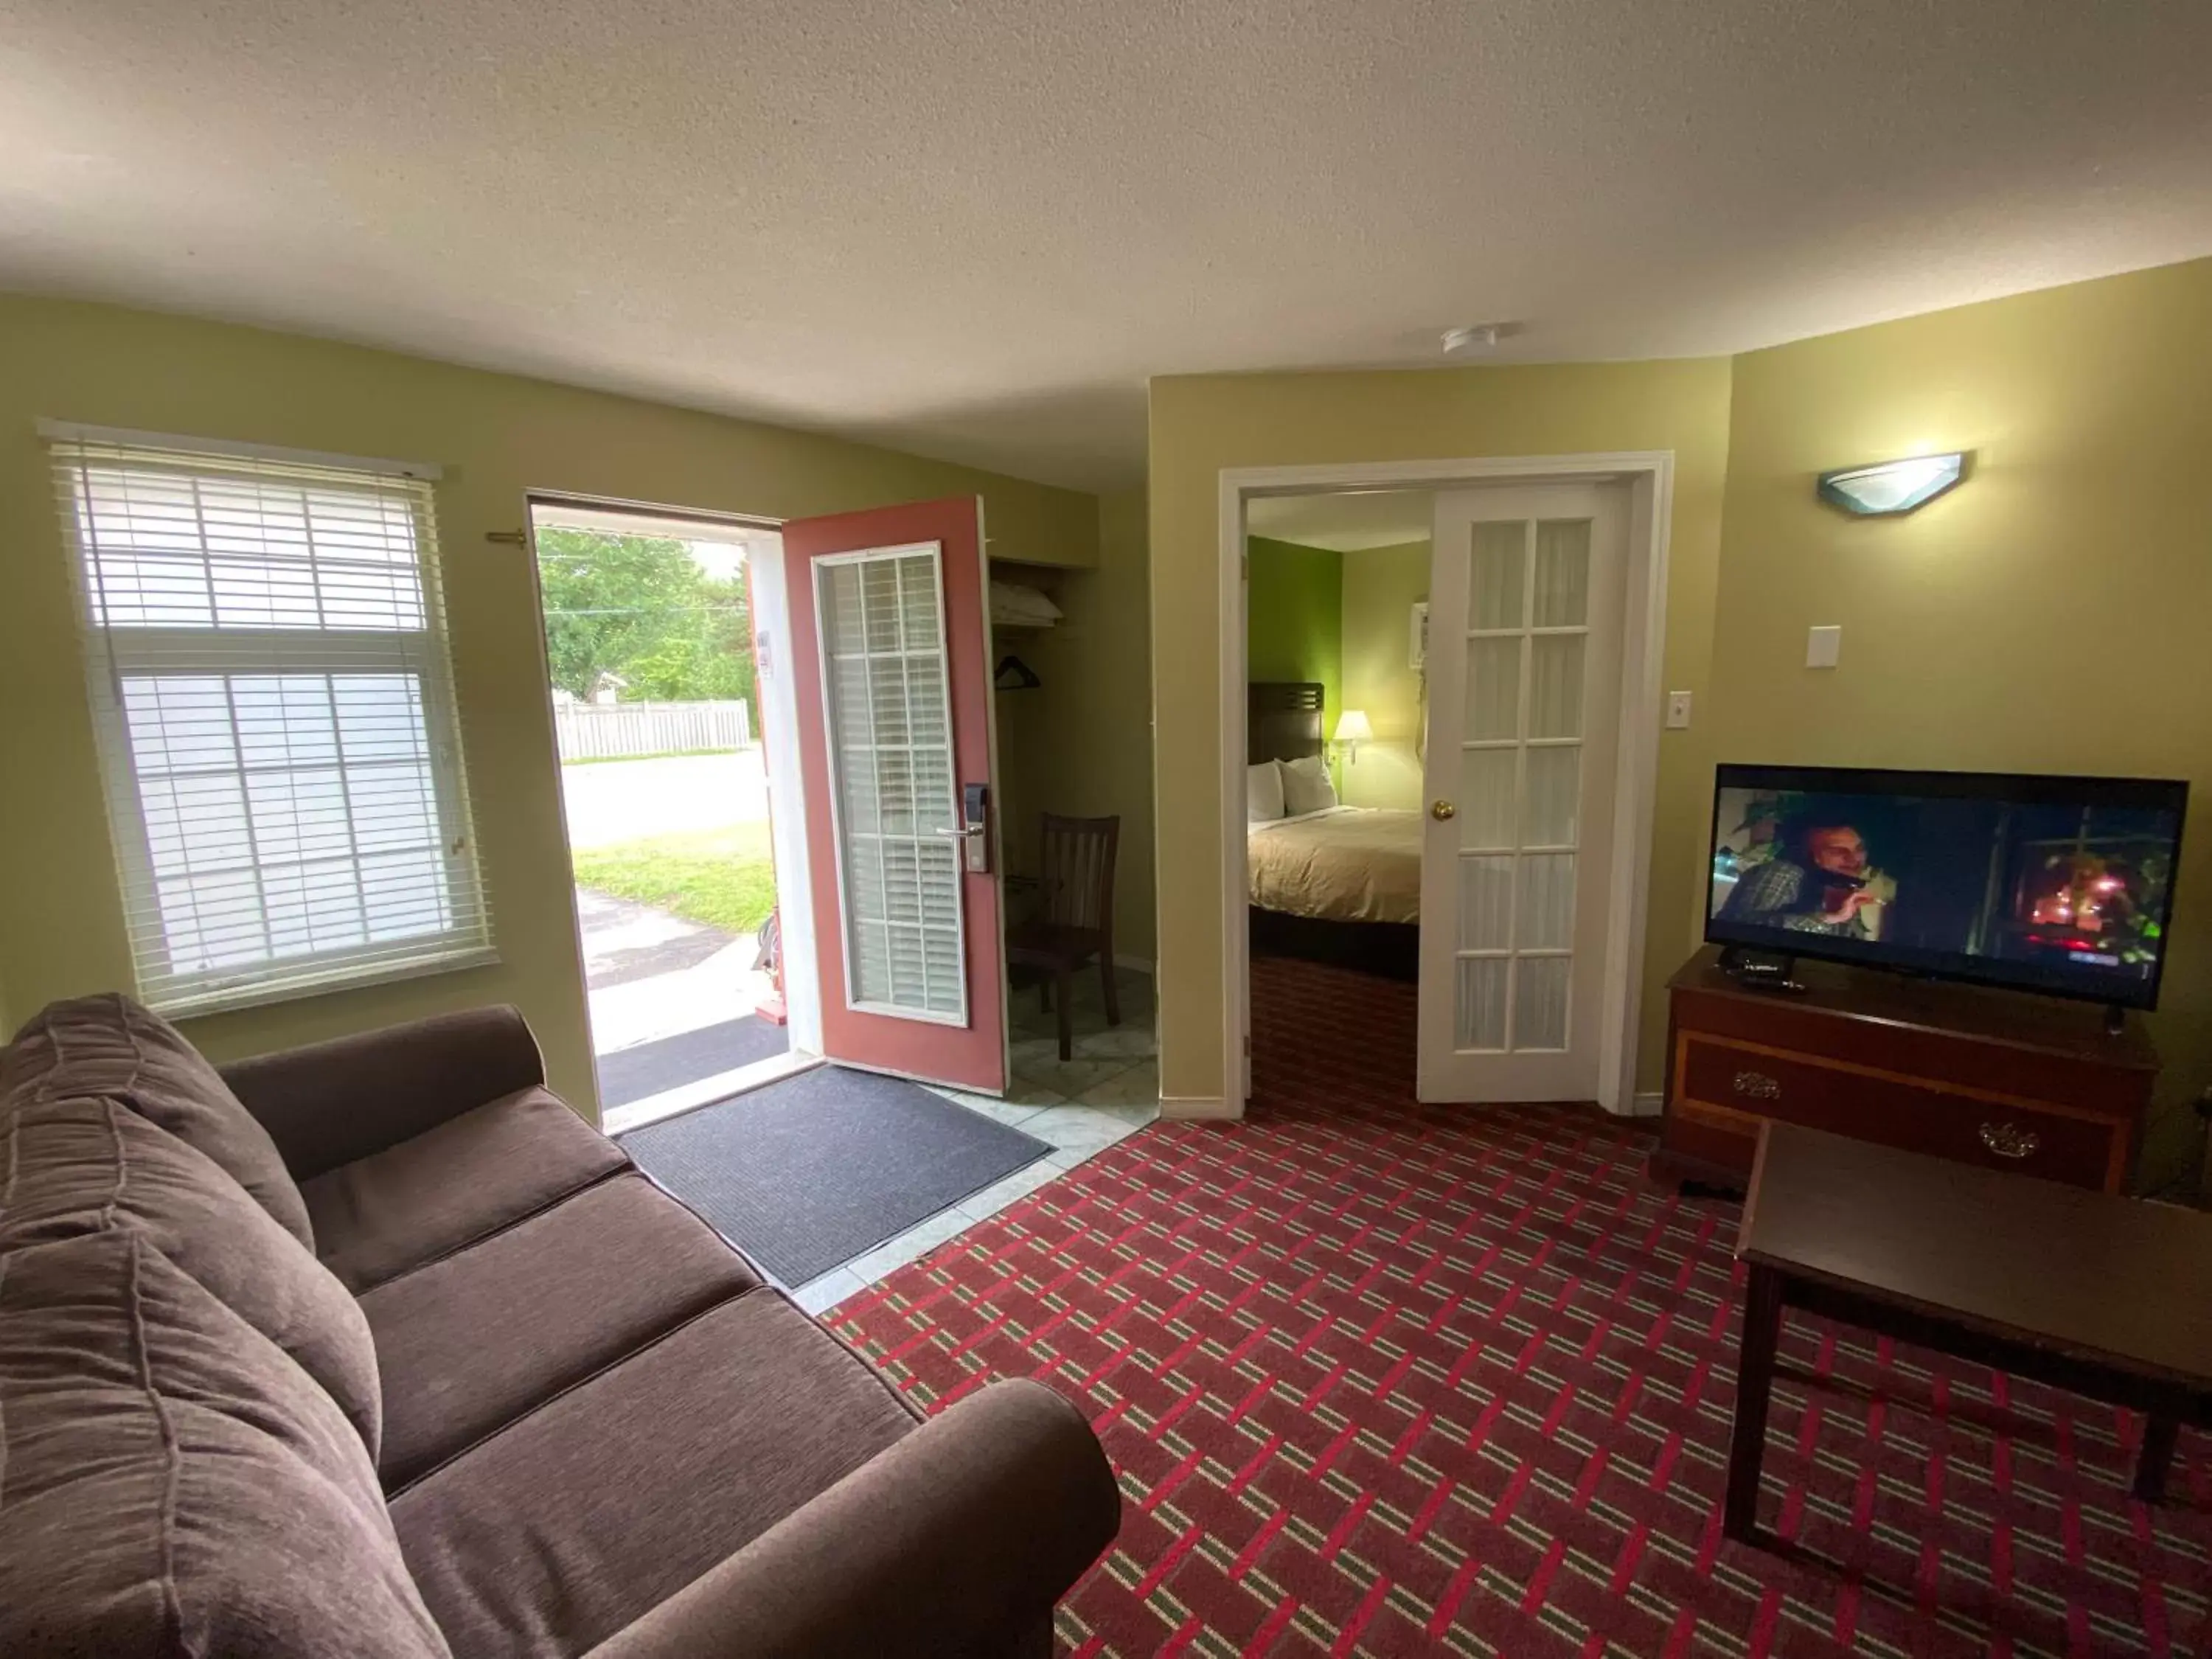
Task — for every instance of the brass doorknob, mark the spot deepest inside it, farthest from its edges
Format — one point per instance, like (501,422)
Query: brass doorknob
(1442,810)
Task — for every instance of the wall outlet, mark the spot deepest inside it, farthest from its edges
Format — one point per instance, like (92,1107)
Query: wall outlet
(1677,711)
(1822,646)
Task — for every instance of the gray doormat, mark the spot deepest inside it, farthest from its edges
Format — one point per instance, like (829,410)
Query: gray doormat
(808,1173)
(648,1068)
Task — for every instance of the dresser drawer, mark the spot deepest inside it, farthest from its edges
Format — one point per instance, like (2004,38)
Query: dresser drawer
(1969,1127)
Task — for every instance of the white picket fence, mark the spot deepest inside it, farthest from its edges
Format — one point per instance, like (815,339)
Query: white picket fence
(614,731)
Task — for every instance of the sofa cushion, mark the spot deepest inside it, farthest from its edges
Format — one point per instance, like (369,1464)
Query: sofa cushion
(174,1483)
(574,1520)
(428,1196)
(474,1340)
(69,1168)
(108,1045)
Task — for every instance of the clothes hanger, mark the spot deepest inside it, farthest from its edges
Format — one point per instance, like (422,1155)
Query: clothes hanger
(1015,675)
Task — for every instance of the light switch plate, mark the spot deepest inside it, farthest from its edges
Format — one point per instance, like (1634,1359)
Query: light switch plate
(1677,710)
(1822,646)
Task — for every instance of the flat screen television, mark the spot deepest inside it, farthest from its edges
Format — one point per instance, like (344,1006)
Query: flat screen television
(2056,885)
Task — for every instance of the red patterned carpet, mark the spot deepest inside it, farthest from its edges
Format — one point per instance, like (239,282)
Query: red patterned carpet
(1386,1379)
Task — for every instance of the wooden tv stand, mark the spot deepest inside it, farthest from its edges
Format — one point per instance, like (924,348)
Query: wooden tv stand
(2001,1078)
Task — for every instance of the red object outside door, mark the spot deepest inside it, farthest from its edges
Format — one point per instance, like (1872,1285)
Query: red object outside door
(892,685)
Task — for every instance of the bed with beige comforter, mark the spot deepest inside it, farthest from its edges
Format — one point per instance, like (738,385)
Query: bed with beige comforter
(1343,864)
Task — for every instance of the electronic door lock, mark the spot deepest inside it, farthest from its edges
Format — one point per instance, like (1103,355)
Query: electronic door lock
(973,832)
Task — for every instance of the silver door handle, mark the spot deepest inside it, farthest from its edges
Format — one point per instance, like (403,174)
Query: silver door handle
(962,832)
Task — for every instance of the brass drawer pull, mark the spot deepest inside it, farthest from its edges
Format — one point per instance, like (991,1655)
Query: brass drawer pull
(1758,1085)
(2009,1139)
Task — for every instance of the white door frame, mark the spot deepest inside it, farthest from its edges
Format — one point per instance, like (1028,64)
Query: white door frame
(1649,475)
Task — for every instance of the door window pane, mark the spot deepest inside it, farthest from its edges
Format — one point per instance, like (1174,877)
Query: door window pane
(1552,813)
(1497,574)
(1486,799)
(1493,689)
(1562,574)
(1555,685)
(891,757)
(1479,1020)
(1540,1002)
(1548,902)
(1485,903)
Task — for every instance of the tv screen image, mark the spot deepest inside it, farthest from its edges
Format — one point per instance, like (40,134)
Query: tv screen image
(2052,884)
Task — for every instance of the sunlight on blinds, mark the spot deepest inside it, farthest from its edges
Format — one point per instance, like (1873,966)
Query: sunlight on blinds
(270,676)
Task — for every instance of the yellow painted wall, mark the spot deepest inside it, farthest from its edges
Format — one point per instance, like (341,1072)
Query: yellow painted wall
(1201,423)
(2052,614)
(61,929)
(1382,585)
(1081,743)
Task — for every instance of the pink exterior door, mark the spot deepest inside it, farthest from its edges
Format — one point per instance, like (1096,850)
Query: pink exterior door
(891,676)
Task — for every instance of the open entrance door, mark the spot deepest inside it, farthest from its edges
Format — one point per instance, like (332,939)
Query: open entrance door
(891,683)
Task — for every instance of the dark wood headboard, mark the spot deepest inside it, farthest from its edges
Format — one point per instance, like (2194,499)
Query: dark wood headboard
(1282,719)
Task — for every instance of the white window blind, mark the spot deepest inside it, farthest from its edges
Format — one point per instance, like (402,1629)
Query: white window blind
(272,697)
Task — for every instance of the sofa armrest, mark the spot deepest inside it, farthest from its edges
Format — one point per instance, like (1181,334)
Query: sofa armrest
(328,1103)
(958,1539)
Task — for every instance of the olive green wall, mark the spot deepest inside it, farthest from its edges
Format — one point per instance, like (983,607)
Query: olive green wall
(1294,618)
(1381,586)
(1201,423)
(498,437)
(2052,614)
(1080,744)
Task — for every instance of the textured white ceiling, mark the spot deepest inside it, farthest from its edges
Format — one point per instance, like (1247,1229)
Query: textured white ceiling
(973,227)
(1348,522)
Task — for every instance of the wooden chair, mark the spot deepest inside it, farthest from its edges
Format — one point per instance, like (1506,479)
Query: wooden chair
(1076,923)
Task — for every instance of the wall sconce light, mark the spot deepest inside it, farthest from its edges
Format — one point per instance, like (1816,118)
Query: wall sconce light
(1892,486)
(1352,730)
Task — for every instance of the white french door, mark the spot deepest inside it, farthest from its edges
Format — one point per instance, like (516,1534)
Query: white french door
(1526,591)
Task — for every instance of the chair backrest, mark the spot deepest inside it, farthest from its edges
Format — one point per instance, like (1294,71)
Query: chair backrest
(1076,871)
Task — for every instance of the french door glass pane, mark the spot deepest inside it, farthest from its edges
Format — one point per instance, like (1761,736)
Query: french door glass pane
(1550,813)
(1497,577)
(1548,902)
(1540,1001)
(1485,903)
(1562,574)
(1555,685)
(883,641)
(1493,689)
(1480,1002)
(1486,799)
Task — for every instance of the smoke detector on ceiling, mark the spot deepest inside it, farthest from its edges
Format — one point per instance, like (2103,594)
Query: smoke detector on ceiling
(1473,339)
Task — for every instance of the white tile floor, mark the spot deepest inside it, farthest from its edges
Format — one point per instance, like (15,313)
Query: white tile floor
(1106,1092)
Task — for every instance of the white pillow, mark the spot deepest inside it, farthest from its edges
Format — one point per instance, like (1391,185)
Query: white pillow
(1306,787)
(1263,792)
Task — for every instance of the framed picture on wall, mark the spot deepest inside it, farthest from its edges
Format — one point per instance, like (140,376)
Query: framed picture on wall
(1420,654)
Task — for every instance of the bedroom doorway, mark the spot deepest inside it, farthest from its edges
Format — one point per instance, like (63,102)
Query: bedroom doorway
(1526,938)
(1335,711)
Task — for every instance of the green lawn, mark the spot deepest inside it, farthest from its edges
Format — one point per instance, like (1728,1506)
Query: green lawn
(719,877)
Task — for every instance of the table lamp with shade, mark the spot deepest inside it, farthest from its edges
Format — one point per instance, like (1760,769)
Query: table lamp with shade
(1352,730)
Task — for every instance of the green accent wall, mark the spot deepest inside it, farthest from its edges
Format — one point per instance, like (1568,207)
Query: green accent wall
(1294,617)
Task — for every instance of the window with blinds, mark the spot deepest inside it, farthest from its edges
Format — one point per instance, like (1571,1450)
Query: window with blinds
(273,703)
(879,618)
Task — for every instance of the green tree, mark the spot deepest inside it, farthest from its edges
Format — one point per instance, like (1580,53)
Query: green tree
(640,607)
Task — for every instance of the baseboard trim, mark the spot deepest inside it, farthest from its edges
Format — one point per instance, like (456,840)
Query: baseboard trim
(1199,1107)
(1135,964)
(1649,1104)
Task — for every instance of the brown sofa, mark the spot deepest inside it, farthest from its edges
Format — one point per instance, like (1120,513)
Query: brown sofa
(377,1348)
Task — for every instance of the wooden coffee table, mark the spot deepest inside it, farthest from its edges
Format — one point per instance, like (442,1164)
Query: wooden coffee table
(2110,1297)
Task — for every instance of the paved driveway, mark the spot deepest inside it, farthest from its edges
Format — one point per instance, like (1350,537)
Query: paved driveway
(610,801)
